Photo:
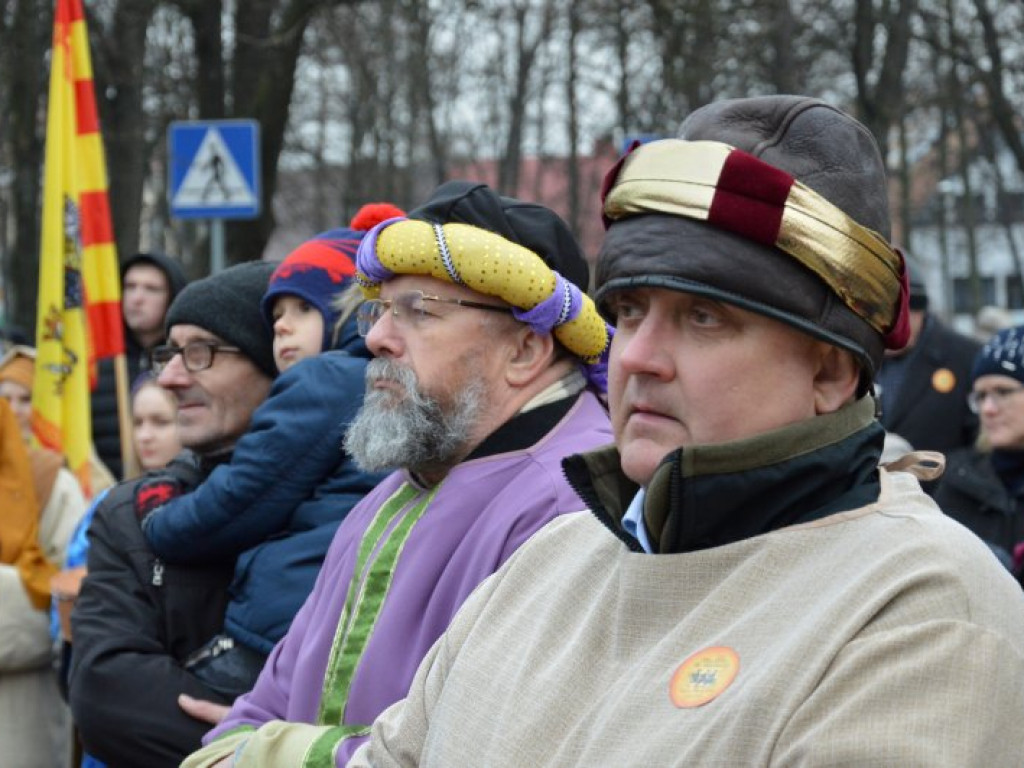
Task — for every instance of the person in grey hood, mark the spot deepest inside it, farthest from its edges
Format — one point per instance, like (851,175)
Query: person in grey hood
(149,283)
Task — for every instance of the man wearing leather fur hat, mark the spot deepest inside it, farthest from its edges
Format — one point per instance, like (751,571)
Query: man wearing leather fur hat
(748,587)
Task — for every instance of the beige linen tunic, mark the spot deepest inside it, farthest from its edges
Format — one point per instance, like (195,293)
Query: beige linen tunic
(885,636)
(34,729)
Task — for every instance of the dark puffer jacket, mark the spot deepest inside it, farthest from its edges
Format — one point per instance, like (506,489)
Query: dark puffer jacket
(135,622)
(971,493)
(929,408)
(106,435)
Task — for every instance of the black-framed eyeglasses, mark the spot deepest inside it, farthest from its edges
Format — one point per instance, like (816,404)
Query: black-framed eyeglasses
(410,308)
(196,355)
(976,399)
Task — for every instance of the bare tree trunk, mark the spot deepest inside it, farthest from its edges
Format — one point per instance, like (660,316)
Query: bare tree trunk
(208,36)
(993,78)
(573,119)
(359,102)
(386,183)
(263,78)
(944,248)
(526,55)
(420,22)
(370,102)
(119,67)
(24,59)
(880,101)
(904,175)
(783,69)
(625,121)
(686,33)
(324,205)
(1003,215)
(968,215)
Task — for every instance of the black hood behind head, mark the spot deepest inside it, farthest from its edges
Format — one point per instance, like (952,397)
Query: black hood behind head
(171,267)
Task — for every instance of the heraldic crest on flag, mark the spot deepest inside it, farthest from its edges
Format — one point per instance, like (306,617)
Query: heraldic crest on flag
(53,324)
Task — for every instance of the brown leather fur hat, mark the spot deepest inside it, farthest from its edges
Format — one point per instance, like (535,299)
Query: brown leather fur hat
(821,147)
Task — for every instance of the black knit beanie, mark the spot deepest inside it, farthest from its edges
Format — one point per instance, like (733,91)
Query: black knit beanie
(227,305)
(530,225)
(1002,355)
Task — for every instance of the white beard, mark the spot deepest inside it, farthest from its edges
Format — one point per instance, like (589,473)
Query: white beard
(412,430)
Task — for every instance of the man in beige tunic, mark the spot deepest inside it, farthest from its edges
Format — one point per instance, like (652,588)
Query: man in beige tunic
(748,587)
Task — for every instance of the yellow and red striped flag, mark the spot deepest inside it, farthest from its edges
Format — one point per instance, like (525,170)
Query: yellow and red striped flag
(79,312)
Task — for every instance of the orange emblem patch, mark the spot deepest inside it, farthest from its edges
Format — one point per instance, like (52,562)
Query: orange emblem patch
(703,676)
(943,380)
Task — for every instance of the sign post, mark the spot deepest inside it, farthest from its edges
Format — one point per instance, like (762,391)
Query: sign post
(214,174)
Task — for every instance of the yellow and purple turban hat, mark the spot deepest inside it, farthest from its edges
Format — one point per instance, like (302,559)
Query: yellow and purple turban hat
(519,252)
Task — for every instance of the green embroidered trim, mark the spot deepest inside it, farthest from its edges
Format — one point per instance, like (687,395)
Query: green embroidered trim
(238,729)
(371,579)
(321,753)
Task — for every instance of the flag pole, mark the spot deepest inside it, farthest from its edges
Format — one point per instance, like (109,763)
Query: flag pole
(129,461)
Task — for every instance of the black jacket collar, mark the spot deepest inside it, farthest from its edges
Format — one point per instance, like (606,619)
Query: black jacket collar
(711,495)
(523,429)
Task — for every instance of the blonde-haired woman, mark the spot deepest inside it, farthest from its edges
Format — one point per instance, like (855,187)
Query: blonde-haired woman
(154,423)
(983,486)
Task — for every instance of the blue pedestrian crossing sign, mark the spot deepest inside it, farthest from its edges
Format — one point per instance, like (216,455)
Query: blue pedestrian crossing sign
(214,169)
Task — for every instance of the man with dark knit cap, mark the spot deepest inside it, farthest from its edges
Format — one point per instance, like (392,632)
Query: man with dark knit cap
(138,619)
(748,587)
(923,387)
(489,369)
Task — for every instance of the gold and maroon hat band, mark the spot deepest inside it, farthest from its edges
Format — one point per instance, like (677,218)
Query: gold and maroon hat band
(735,191)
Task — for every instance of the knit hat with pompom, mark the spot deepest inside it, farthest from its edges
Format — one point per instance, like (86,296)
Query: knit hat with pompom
(322,266)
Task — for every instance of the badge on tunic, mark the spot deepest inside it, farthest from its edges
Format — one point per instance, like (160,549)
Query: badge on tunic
(943,381)
(703,676)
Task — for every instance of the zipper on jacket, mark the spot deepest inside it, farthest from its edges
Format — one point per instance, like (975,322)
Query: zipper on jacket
(588,495)
(158,573)
(211,650)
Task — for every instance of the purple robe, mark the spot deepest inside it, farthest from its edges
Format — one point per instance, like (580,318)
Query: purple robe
(416,554)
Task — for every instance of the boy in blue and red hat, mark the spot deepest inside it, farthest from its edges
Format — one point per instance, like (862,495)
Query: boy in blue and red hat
(299,304)
(289,484)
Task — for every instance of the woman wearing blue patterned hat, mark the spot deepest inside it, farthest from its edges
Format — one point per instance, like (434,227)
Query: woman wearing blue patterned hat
(983,486)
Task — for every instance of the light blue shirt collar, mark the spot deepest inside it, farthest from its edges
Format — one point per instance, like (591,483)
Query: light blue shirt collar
(633,521)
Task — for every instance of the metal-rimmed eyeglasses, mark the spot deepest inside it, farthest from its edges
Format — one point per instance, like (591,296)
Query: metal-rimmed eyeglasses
(976,399)
(195,356)
(410,307)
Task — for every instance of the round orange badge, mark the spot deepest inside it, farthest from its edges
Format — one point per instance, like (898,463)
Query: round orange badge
(703,676)
(943,380)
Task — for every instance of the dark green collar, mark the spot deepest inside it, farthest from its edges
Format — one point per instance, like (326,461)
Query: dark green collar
(710,495)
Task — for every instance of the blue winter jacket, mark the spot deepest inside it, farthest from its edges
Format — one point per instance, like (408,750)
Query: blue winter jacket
(278,503)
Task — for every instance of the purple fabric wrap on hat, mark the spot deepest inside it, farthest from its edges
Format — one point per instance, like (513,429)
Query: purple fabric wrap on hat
(563,305)
(367,262)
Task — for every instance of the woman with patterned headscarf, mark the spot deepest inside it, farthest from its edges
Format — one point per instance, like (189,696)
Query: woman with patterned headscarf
(56,488)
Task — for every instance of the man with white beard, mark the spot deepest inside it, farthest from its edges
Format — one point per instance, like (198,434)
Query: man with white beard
(418,430)
(491,361)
